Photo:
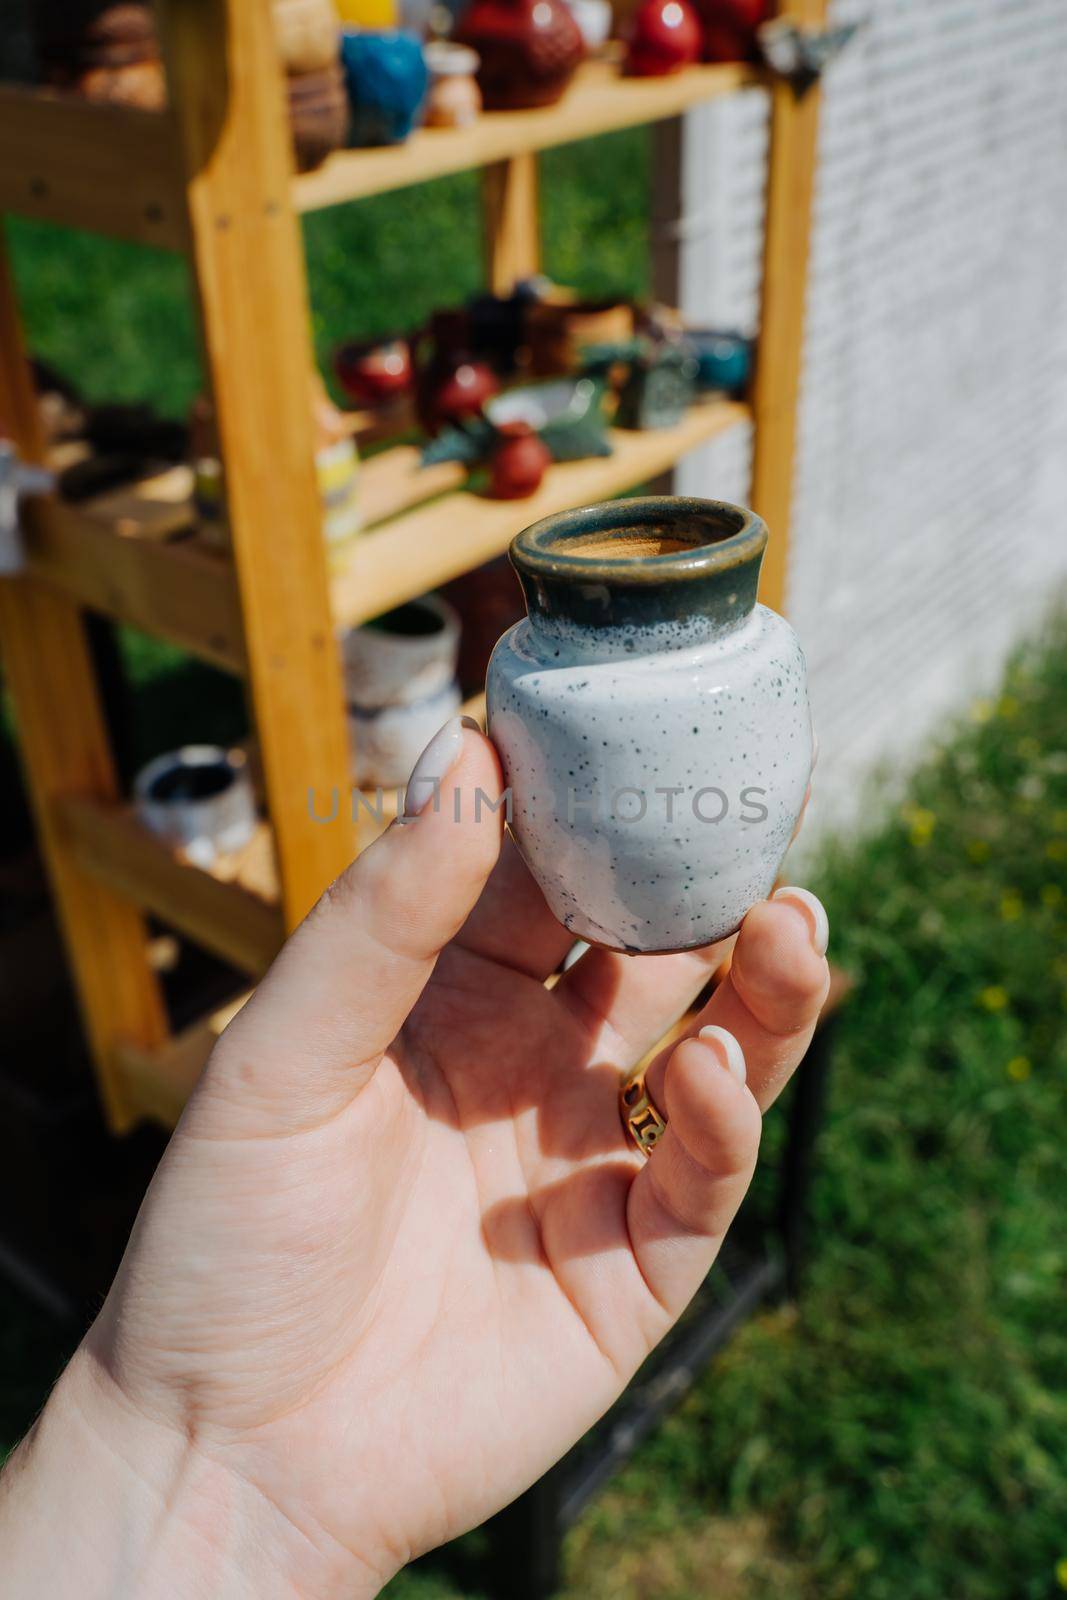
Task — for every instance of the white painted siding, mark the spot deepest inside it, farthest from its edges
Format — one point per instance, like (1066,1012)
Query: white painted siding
(930,498)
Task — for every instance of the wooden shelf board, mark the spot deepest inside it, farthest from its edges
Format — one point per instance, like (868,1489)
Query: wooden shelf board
(111,169)
(429,545)
(600,100)
(233,907)
(118,555)
(231,910)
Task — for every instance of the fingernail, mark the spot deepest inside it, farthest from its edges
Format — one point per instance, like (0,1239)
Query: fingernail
(432,767)
(471,722)
(820,922)
(735,1056)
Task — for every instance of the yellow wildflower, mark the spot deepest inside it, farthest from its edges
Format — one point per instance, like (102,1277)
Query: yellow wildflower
(994,998)
(1018,1069)
(1061,1572)
(921,824)
(978,850)
(1011,906)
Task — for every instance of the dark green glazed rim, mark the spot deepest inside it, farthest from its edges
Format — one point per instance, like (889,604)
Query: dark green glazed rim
(590,567)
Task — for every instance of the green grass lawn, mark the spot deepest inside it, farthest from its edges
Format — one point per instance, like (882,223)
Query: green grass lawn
(902,1435)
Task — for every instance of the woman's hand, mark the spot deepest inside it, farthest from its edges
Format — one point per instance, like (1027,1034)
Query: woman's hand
(399,1254)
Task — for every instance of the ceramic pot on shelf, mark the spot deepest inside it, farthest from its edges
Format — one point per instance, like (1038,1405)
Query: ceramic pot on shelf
(400,684)
(519,462)
(652,721)
(529,50)
(199,799)
(666,36)
(318,114)
(374,372)
(451,383)
(387,78)
(454,99)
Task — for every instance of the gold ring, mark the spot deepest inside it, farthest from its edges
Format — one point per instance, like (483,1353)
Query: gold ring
(645,1124)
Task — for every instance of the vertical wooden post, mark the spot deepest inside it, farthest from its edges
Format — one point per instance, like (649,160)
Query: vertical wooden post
(512,221)
(65,751)
(227,91)
(790,181)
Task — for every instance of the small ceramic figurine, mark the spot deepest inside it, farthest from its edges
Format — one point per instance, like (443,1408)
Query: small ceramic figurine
(455,99)
(529,50)
(666,36)
(652,721)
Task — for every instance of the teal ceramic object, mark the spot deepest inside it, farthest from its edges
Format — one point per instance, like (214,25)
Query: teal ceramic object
(723,360)
(387,78)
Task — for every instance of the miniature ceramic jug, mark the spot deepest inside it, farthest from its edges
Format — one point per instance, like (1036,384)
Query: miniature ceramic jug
(652,721)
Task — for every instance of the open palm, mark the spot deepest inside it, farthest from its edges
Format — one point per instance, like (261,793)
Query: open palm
(399,1254)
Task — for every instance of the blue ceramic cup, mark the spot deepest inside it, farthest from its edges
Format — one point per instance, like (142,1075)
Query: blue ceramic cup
(387,78)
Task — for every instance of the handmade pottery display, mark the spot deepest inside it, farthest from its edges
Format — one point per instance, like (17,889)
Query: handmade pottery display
(199,799)
(723,360)
(455,99)
(400,683)
(666,36)
(373,372)
(387,79)
(307,32)
(519,462)
(529,50)
(652,721)
(318,114)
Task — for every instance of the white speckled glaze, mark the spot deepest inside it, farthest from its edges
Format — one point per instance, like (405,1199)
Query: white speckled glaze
(595,723)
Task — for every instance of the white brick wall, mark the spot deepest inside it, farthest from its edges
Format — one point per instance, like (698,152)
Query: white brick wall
(930,499)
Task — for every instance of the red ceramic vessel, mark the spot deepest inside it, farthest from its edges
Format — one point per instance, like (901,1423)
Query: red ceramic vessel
(666,36)
(519,462)
(375,370)
(730,27)
(529,50)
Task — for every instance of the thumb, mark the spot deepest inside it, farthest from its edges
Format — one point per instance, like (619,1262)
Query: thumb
(311,1036)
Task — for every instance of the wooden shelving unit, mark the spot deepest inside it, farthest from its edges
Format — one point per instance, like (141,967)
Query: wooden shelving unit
(212,177)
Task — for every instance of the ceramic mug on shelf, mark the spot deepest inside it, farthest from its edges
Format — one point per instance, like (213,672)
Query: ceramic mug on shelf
(199,799)
(652,721)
